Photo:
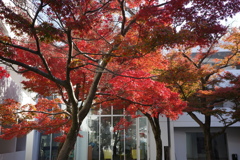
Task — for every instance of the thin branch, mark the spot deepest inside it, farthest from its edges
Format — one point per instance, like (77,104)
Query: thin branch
(92,11)
(85,54)
(114,73)
(189,59)
(196,119)
(122,98)
(20,47)
(40,7)
(11,66)
(223,129)
(44,112)
(121,2)
(70,51)
(34,69)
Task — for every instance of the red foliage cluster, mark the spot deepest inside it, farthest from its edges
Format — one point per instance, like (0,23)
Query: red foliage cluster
(3,73)
(46,116)
(135,90)
(121,125)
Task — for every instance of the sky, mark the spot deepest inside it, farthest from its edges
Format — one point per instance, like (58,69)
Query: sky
(233,22)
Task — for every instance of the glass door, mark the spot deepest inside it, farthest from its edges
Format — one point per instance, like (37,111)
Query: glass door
(125,144)
(142,127)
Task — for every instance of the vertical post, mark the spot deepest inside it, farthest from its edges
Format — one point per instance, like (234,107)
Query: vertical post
(32,150)
(167,148)
(169,133)
(81,147)
(50,147)
(99,137)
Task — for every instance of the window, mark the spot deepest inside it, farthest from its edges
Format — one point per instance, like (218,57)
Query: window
(49,147)
(196,151)
(130,143)
(237,66)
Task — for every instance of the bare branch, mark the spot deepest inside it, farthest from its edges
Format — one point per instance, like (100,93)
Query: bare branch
(44,112)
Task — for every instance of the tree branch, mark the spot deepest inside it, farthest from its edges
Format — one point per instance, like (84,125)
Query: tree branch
(34,69)
(200,123)
(44,113)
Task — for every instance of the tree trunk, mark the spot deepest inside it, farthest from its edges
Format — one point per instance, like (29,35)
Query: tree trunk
(157,135)
(68,145)
(206,128)
(208,138)
(158,146)
(208,145)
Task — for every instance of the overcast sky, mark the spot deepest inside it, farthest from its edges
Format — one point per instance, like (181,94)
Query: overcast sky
(233,22)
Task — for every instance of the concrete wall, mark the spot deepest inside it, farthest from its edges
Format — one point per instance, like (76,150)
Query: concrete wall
(7,146)
(13,156)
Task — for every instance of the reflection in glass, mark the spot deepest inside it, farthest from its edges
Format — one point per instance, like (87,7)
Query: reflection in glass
(105,137)
(130,140)
(94,133)
(143,138)
(49,147)
(123,144)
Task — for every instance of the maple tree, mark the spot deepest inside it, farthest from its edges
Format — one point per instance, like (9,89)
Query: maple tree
(69,47)
(203,86)
(136,91)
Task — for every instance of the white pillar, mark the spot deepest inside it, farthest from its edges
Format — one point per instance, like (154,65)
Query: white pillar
(32,148)
(81,147)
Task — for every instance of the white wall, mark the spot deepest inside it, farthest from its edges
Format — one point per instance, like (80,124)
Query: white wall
(9,88)
(180,144)
(81,147)
(32,146)
(186,121)
(152,144)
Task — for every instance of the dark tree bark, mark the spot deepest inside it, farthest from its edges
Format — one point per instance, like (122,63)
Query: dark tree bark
(157,134)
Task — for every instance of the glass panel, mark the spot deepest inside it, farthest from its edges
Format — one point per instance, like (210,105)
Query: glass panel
(124,144)
(49,147)
(45,147)
(143,138)
(55,144)
(105,137)
(117,141)
(220,147)
(93,123)
(131,140)
(95,111)
(106,110)
(117,111)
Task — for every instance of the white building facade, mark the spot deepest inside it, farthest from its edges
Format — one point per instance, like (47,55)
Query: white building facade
(183,137)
